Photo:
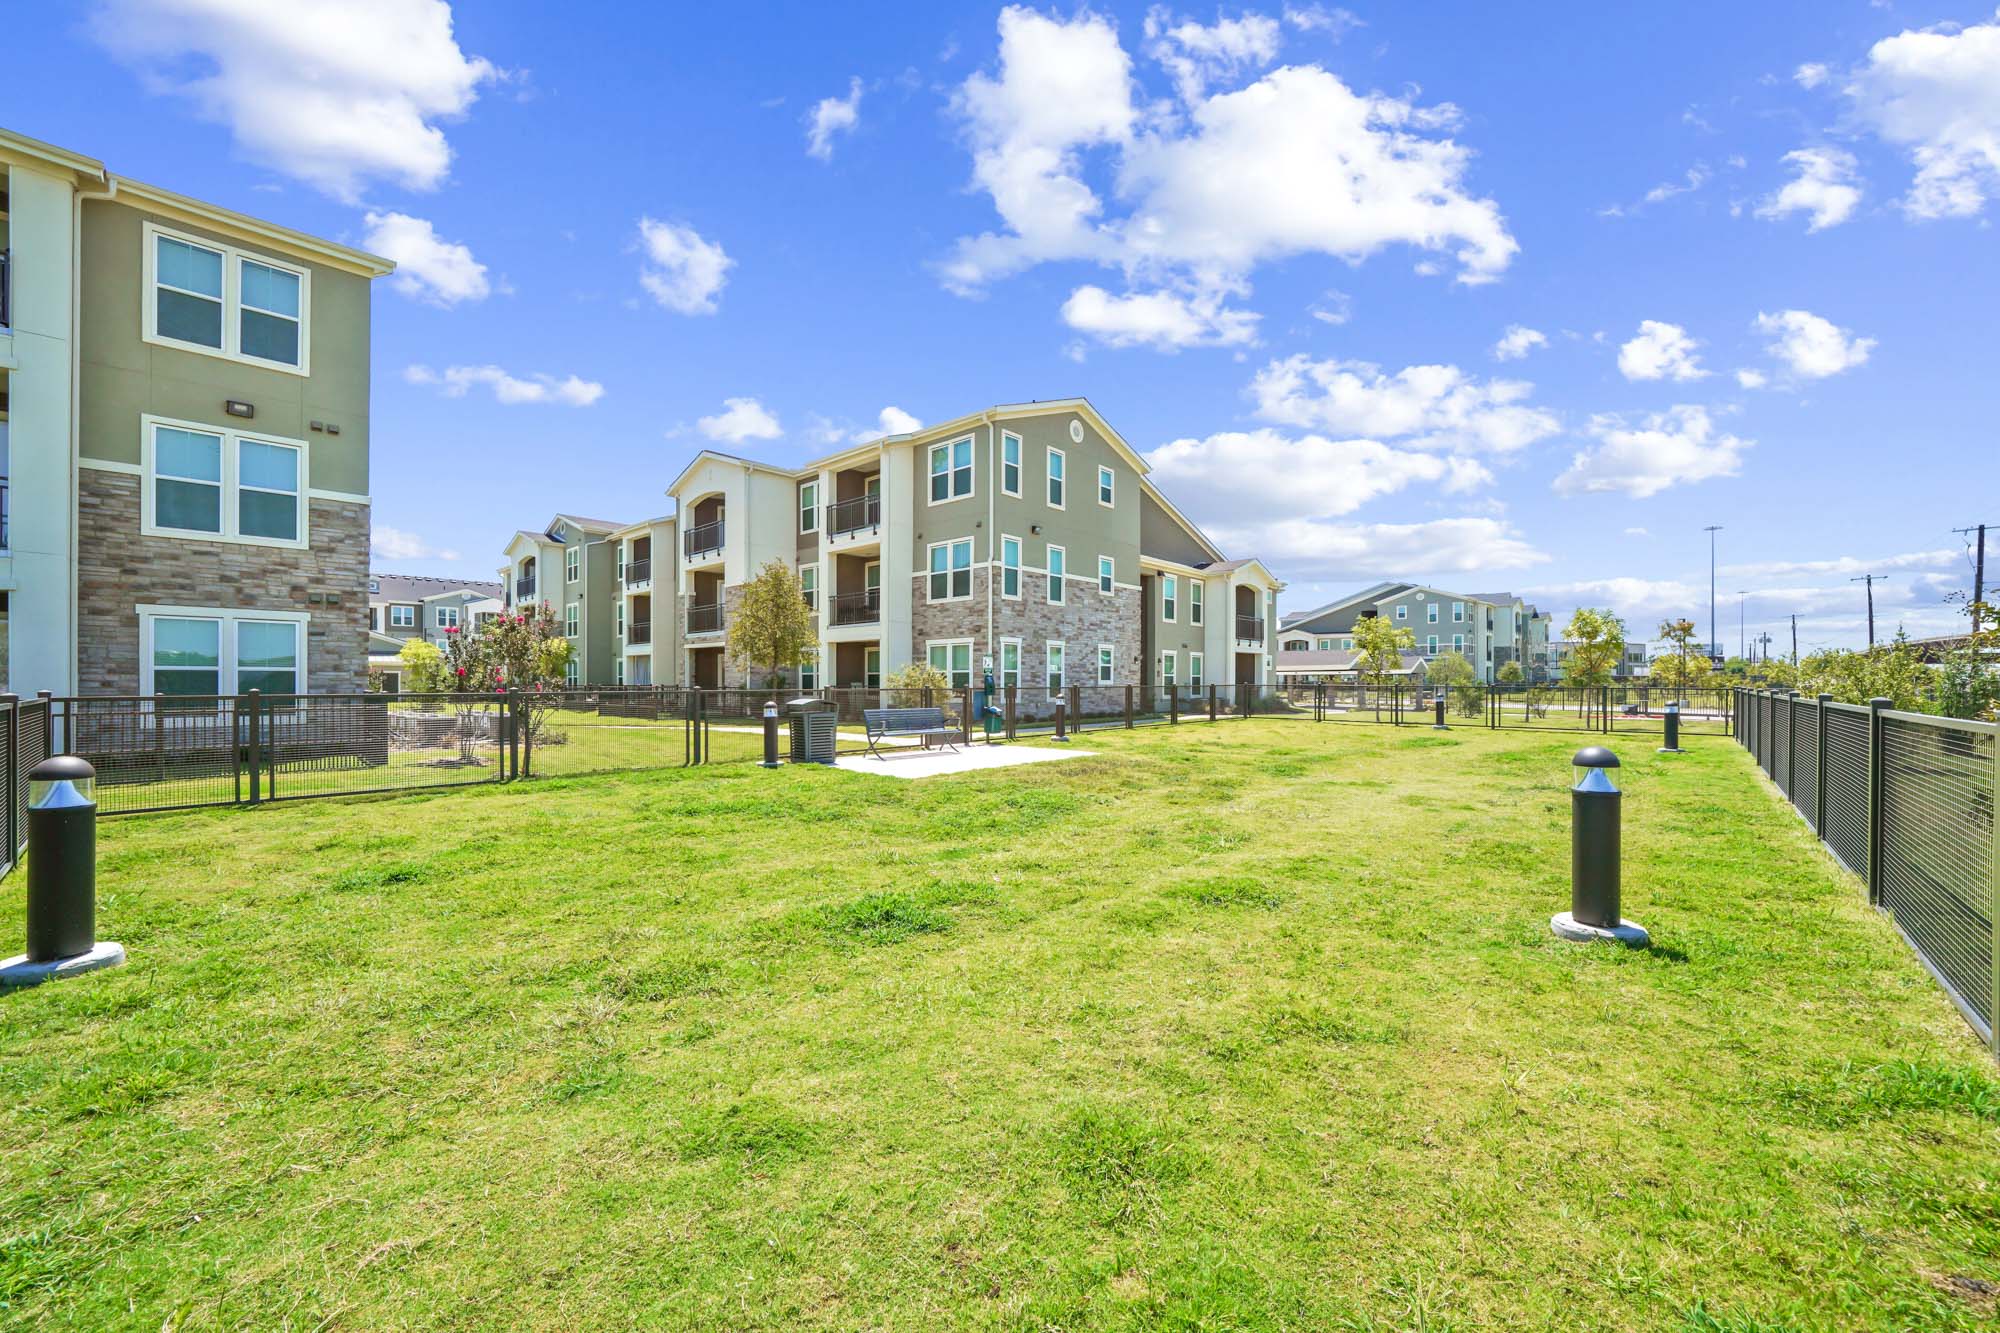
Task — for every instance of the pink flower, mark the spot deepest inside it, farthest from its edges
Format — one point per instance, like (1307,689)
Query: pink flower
(461,671)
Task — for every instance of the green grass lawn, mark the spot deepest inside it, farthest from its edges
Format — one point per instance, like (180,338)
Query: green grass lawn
(1252,1025)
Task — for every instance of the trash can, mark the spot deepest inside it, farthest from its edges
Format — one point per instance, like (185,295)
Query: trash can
(813,723)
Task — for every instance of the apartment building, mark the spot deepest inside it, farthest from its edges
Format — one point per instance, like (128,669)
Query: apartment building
(1636,662)
(571,564)
(645,647)
(1025,535)
(1488,630)
(184,431)
(402,607)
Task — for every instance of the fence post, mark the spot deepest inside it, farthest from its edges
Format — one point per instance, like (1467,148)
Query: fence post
(1819,771)
(256,701)
(1211,702)
(1009,692)
(1875,707)
(1173,705)
(1128,708)
(10,777)
(964,717)
(1993,900)
(1075,693)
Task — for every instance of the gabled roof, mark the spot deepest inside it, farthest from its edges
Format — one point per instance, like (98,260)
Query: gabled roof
(418,587)
(1296,660)
(596,526)
(717,456)
(1366,597)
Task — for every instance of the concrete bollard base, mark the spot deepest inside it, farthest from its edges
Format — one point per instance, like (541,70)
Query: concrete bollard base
(18,971)
(1670,749)
(1629,933)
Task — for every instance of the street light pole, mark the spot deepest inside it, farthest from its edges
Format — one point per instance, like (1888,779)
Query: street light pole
(1742,635)
(1869,580)
(1711,530)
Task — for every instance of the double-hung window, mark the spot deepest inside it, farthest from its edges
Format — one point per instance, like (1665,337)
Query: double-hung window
(1326,645)
(1010,464)
(402,617)
(1169,597)
(1431,613)
(572,620)
(953,660)
(1194,601)
(809,586)
(871,669)
(951,470)
(1055,667)
(572,563)
(1010,567)
(1106,495)
(197,652)
(1105,659)
(1056,478)
(1106,574)
(951,570)
(1194,671)
(1458,643)
(1433,645)
(809,671)
(447,617)
(219,484)
(809,507)
(1167,665)
(212,298)
(1010,663)
(1058,575)
(1402,613)
(1458,612)
(572,673)
(618,618)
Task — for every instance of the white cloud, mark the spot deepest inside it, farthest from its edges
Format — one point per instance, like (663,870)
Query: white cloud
(1162,320)
(1247,477)
(1823,187)
(1321,18)
(1438,408)
(428,267)
(511,390)
(740,419)
(1810,75)
(1812,347)
(1637,532)
(1640,603)
(1750,379)
(1848,564)
(1670,448)
(1337,307)
(1660,351)
(892,420)
(1937,93)
(682,271)
(1306,548)
(831,116)
(1517,342)
(336,93)
(1193,54)
(389,543)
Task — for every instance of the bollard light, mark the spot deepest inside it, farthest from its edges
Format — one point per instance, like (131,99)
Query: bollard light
(1439,725)
(1062,713)
(62,877)
(1594,852)
(770,733)
(1673,745)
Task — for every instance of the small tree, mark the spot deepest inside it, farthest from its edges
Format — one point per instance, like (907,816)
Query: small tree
(1597,644)
(773,627)
(1510,673)
(423,666)
(470,679)
(918,676)
(1968,681)
(1683,668)
(527,653)
(1451,672)
(1380,645)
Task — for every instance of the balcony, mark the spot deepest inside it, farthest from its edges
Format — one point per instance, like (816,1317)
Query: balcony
(3,513)
(6,289)
(862,513)
(524,587)
(638,571)
(858,608)
(705,618)
(703,540)
(638,633)
(1250,628)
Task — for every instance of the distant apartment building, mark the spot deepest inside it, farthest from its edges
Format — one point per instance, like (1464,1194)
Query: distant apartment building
(1488,630)
(184,434)
(1027,535)
(1634,663)
(402,607)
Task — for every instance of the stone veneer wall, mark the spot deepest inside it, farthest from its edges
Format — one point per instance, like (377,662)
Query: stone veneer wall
(117,569)
(736,674)
(1084,620)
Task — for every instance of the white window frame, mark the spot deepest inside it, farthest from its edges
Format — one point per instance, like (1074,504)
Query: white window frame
(618,621)
(232,489)
(226,660)
(948,571)
(1107,664)
(1058,579)
(572,563)
(232,300)
(1055,666)
(1056,487)
(808,507)
(950,646)
(572,619)
(952,494)
(1008,437)
(1107,484)
(1009,675)
(402,616)
(1402,613)
(1170,600)
(572,674)
(1010,543)
(1168,663)
(447,617)
(1458,613)
(1458,644)
(1432,650)
(871,677)
(809,670)
(1194,671)
(618,669)
(1107,575)
(619,555)
(809,586)
(1431,612)
(1194,601)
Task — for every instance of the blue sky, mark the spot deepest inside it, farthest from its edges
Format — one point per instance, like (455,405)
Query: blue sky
(1745,254)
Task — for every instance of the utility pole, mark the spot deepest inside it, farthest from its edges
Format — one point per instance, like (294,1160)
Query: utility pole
(1714,648)
(1869,580)
(1978,569)
(1742,642)
(1795,639)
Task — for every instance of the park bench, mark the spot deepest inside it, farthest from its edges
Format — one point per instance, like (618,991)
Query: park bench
(927,724)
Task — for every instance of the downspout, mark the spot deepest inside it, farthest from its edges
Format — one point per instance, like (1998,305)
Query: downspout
(76,413)
(992,491)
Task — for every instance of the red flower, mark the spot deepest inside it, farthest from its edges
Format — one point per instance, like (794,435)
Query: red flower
(461,671)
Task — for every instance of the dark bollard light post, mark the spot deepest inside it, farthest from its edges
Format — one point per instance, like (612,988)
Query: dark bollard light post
(1439,725)
(1062,718)
(62,877)
(1594,853)
(770,733)
(1673,745)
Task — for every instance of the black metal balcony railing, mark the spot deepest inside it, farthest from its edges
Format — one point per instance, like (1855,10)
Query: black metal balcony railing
(639,571)
(1250,627)
(524,586)
(845,516)
(858,608)
(3,513)
(6,289)
(705,619)
(703,538)
(639,632)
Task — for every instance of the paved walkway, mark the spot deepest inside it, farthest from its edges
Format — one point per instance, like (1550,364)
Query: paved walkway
(967,759)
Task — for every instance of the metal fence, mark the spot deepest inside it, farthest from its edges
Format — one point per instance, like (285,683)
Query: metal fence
(1906,802)
(24,742)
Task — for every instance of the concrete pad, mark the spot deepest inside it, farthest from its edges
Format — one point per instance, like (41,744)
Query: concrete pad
(18,971)
(1629,933)
(943,763)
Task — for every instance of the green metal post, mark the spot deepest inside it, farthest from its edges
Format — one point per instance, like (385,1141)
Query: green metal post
(1874,876)
(255,700)
(1128,708)
(1819,771)
(1993,903)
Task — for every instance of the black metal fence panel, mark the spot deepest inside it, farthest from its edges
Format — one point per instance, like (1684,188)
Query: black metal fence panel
(24,742)
(1846,830)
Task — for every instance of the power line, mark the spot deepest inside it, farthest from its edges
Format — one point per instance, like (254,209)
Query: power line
(1869,580)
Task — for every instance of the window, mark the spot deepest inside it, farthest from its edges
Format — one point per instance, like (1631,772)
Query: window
(951,570)
(871,668)
(1010,663)
(1010,464)
(1431,613)
(951,470)
(1104,487)
(572,674)
(1433,641)
(572,563)
(809,507)
(1326,645)
(374,618)
(1347,645)
(1458,643)
(1194,601)
(953,659)
(1458,612)
(402,617)
(1194,671)
(618,671)
(188,651)
(1010,567)
(809,585)
(1105,574)
(1169,597)
(222,485)
(1055,479)
(1058,575)
(1055,667)
(1402,613)
(447,617)
(619,552)
(1167,670)
(809,671)
(1104,664)
(618,619)
(211,298)
(572,620)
